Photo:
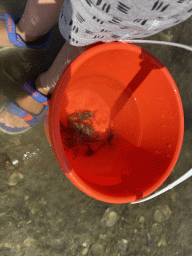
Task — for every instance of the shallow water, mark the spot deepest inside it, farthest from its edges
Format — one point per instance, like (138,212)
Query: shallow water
(43,213)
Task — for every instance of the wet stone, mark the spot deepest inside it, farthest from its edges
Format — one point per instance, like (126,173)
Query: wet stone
(15,178)
(96,250)
(18,246)
(162,213)
(162,241)
(158,216)
(146,249)
(109,218)
(141,221)
(103,236)
(85,251)
(122,245)
(156,229)
(184,232)
(7,245)
(29,241)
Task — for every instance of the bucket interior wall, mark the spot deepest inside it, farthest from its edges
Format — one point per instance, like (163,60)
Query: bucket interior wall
(141,99)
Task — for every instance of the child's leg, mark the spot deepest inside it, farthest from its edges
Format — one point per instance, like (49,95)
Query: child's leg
(45,84)
(38,18)
(48,80)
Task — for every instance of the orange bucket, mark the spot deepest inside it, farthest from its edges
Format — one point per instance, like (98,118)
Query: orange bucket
(116,122)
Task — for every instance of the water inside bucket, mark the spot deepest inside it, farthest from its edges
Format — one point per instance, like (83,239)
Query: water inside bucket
(121,162)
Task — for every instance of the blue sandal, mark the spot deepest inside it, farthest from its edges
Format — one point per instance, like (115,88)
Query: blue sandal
(13,108)
(15,39)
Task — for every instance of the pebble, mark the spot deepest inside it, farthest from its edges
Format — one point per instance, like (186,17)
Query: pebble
(26,198)
(43,201)
(85,251)
(7,245)
(15,178)
(141,221)
(33,210)
(123,244)
(162,213)
(166,211)
(146,249)
(167,36)
(18,246)
(162,241)
(158,216)
(2,214)
(156,229)
(96,250)
(28,242)
(102,236)
(109,218)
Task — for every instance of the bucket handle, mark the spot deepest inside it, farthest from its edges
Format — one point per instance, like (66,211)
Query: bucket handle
(189,173)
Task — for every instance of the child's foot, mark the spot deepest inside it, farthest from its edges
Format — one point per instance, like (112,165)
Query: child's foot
(27,103)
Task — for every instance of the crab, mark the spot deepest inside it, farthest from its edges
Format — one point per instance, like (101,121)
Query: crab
(79,132)
(82,123)
(80,117)
(79,135)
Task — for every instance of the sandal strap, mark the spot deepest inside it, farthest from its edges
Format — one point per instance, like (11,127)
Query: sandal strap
(28,87)
(14,38)
(32,119)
